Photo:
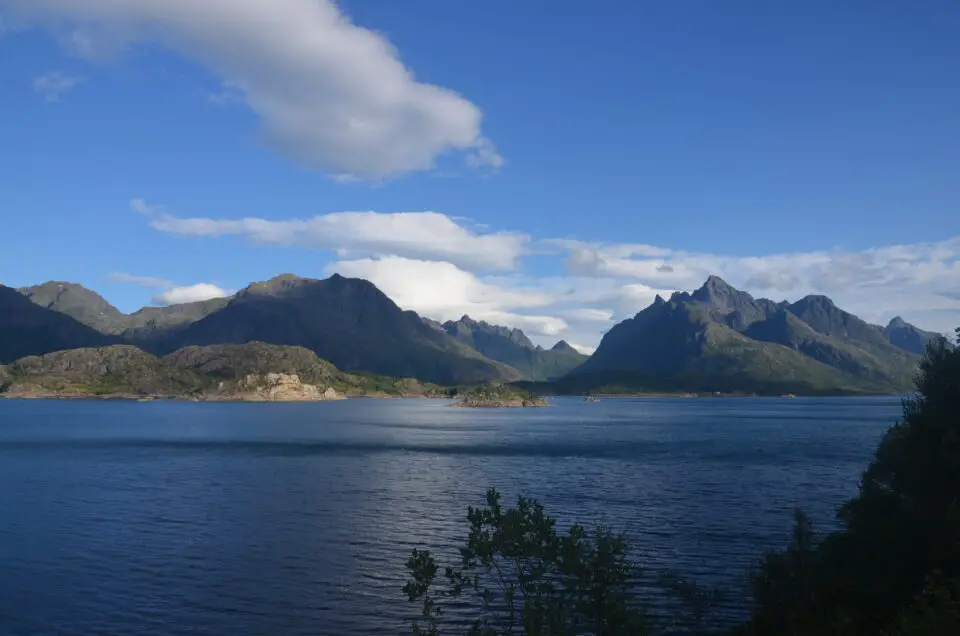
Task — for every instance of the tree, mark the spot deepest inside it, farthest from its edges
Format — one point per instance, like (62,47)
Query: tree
(894,567)
(526,578)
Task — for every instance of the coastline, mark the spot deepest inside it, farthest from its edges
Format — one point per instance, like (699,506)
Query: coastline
(126,397)
(129,397)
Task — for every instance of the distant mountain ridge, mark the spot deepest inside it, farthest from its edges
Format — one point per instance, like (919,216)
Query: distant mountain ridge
(28,329)
(907,337)
(514,348)
(92,309)
(721,338)
(714,338)
(348,322)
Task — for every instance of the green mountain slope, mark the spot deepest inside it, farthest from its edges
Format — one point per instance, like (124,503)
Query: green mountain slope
(723,338)
(117,369)
(29,329)
(78,302)
(232,361)
(88,307)
(349,322)
(244,371)
(151,323)
(512,347)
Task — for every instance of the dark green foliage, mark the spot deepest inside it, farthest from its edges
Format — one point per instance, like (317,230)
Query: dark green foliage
(228,362)
(28,329)
(894,567)
(696,603)
(193,372)
(118,369)
(512,347)
(524,577)
(934,612)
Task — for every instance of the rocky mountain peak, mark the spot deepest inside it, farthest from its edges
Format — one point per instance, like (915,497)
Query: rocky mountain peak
(76,301)
(563,345)
(720,295)
(898,323)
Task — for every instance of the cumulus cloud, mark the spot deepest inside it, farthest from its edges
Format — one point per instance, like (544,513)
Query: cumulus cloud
(585,350)
(172,293)
(443,291)
(189,294)
(331,94)
(52,85)
(875,283)
(440,266)
(414,235)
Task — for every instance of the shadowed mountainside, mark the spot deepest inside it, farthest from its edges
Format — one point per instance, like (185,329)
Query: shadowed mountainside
(349,322)
(29,329)
(720,339)
(512,347)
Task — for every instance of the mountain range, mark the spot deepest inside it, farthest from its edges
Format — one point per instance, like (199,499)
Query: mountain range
(719,338)
(716,338)
(348,322)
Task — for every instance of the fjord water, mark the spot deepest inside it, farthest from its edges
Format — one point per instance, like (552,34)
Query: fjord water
(164,517)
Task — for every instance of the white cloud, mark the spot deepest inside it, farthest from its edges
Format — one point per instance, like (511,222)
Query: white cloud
(582,348)
(589,315)
(53,85)
(437,266)
(147,209)
(173,294)
(415,235)
(442,291)
(190,294)
(144,281)
(331,94)
(913,280)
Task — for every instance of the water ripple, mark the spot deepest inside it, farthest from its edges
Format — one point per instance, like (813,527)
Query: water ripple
(159,518)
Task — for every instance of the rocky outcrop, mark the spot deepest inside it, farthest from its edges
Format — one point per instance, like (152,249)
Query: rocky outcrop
(480,403)
(498,396)
(272,387)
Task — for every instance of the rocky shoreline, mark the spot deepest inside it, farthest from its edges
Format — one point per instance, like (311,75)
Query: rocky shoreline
(500,404)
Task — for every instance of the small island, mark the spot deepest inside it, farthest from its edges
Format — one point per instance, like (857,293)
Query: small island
(497,396)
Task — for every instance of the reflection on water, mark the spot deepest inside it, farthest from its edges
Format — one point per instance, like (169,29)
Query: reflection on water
(160,518)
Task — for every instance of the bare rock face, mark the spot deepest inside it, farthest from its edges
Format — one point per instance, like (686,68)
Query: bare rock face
(280,387)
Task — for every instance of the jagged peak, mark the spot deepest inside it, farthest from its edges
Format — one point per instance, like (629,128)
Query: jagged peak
(658,300)
(898,323)
(55,283)
(288,283)
(562,345)
(288,277)
(816,301)
(715,287)
(715,281)
(59,285)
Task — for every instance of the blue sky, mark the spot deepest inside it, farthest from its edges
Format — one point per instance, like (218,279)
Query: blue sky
(549,165)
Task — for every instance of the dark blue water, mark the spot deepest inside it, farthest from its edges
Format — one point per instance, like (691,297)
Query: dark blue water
(180,518)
